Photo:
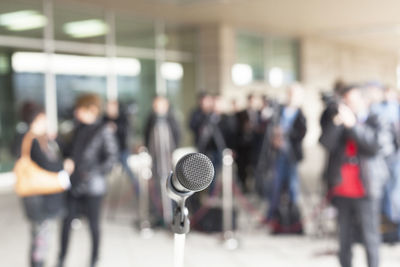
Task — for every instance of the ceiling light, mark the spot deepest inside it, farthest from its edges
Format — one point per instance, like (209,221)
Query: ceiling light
(171,71)
(242,74)
(22,20)
(126,66)
(85,28)
(275,77)
(74,65)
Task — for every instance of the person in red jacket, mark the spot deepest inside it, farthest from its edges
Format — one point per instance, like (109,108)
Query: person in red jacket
(356,173)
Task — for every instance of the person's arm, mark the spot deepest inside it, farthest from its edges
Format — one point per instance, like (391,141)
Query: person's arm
(331,135)
(195,120)
(41,159)
(366,135)
(109,151)
(175,128)
(300,128)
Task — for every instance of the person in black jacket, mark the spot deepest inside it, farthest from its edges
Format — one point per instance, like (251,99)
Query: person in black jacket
(216,133)
(248,123)
(94,150)
(41,209)
(162,136)
(199,114)
(287,138)
(356,173)
(118,119)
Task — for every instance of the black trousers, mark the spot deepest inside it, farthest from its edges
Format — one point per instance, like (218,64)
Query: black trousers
(363,215)
(245,166)
(89,207)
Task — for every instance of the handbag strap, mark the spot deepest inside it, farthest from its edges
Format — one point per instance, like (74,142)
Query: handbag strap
(27,145)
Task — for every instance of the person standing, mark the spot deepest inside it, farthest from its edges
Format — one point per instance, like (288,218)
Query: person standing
(356,173)
(42,209)
(213,133)
(199,115)
(162,136)
(118,119)
(388,109)
(287,139)
(248,122)
(94,150)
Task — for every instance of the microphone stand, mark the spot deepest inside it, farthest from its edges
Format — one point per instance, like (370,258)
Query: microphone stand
(180,224)
(180,227)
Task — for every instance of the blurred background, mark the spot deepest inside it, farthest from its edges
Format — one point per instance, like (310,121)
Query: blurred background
(133,50)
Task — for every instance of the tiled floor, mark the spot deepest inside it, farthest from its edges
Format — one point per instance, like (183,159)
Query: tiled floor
(122,246)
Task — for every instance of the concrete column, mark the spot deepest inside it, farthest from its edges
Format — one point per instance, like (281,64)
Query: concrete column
(209,70)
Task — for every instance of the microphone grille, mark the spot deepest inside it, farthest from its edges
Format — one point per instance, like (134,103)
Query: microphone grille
(195,171)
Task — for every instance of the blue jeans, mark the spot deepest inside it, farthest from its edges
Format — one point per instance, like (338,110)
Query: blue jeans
(391,197)
(285,175)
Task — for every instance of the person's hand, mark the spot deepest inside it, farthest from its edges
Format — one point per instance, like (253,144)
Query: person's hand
(69,166)
(345,116)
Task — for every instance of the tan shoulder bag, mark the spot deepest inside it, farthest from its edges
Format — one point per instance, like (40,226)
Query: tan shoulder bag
(32,179)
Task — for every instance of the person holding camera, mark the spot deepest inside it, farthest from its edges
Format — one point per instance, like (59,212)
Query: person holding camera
(356,173)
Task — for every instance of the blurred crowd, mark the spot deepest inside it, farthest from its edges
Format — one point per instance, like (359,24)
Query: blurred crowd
(360,133)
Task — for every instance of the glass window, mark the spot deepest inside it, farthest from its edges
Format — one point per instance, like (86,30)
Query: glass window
(180,37)
(137,93)
(28,87)
(282,54)
(7,114)
(132,32)
(269,59)
(69,87)
(250,51)
(22,18)
(181,92)
(79,23)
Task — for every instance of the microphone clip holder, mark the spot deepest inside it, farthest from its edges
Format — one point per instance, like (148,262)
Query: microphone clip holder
(180,222)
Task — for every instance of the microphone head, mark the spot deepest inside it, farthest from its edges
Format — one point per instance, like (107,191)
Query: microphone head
(195,172)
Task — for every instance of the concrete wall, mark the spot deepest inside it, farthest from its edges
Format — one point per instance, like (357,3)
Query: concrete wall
(323,61)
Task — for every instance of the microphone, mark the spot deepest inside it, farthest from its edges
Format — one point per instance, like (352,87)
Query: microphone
(193,173)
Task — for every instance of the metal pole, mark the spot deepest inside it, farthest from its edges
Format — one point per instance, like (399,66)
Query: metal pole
(112,83)
(179,249)
(50,81)
(145,175)
(227,199)
(161,87)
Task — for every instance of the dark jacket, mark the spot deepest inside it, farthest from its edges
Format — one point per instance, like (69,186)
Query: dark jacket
(296,134)
(94,149)
(247,129)
(214,133)
(41,207)
(367,136)
(172,123)
(197,118)
(122,131)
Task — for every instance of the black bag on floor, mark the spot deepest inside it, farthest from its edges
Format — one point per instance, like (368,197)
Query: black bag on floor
(287,219)
(211,221)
